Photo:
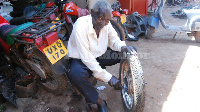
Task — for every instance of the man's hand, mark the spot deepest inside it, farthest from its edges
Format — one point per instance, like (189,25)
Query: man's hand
(114,82)
(129,49)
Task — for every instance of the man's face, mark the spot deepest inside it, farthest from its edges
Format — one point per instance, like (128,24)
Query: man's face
(100,18)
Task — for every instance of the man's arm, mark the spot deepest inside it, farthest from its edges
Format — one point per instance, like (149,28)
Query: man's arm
(88,59)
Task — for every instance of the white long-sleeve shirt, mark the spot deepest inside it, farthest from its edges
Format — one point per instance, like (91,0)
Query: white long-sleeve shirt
(83,44)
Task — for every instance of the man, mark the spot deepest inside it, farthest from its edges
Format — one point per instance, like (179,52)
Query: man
(91,35)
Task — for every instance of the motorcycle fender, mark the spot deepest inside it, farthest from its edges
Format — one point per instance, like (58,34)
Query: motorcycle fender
(194,24)
(61,67)
(153,21)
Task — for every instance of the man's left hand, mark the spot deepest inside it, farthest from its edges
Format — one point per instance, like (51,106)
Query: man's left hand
(129,49)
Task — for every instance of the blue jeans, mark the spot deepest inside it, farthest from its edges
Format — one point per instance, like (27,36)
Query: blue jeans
(79,74)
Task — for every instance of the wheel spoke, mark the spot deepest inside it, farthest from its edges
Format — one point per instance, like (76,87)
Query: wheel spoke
(126,82)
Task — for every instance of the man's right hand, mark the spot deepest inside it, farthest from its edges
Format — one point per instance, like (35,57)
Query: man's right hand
(114,82)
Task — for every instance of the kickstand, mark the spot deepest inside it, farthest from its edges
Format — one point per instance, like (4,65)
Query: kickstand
(179,35)
(174,35)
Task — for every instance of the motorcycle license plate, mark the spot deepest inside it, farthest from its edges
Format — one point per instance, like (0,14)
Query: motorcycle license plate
(55,51)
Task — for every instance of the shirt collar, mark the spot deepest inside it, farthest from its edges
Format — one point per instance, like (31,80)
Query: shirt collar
(91,29)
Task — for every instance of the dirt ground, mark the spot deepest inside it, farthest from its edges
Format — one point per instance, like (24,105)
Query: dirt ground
(171,68)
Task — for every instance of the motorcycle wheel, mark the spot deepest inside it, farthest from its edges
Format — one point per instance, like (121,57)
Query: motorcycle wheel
(54,83)
(197,36)
(149,31)
(119,29)
(132,80)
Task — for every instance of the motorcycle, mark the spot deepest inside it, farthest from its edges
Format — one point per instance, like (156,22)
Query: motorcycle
(119,16)
(134,25)
(71,13)
(131,75)
(36,48)
(191,27)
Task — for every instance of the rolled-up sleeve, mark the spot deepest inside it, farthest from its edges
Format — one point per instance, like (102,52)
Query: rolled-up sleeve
(114,41)
(88,58)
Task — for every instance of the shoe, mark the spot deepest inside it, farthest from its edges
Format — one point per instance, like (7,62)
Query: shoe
(132,38)
(90,108)
(103,108)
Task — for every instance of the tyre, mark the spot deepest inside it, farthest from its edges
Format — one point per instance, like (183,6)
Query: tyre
(132,80)
(149,31)
(18,20)
(53,83)
(4,30)
(197,36)
(10,40)
(119,29)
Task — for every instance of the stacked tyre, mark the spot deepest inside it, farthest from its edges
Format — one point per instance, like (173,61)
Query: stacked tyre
(7,30)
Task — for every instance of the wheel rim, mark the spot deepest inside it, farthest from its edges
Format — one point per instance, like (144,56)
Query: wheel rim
(127,82)
(50,81)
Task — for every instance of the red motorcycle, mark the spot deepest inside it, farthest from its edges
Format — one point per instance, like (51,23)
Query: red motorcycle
(131,75)
(36,48)
(71,13)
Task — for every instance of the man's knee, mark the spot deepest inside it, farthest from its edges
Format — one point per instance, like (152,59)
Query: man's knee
(76,75)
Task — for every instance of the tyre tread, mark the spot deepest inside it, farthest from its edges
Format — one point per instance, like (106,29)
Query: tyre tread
(139,83)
